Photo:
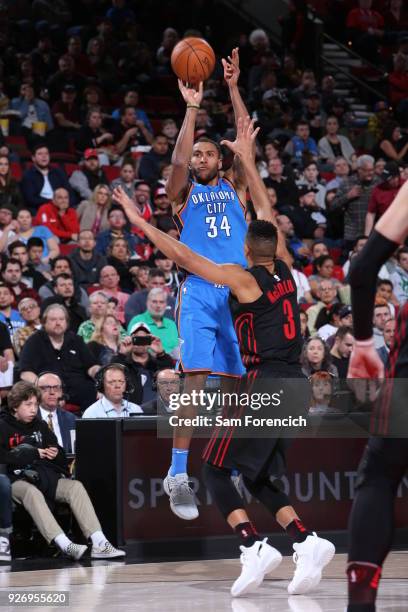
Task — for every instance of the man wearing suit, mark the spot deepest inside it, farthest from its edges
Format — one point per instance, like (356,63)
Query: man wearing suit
(388,333)
(58,420)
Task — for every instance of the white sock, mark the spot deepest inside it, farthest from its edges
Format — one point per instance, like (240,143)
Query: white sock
(62,541)
(98,538)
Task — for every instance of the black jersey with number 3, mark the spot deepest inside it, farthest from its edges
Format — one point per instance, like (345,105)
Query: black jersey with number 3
(268,330)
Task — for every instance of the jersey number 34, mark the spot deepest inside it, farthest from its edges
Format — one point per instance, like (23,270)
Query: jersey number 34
(213,228)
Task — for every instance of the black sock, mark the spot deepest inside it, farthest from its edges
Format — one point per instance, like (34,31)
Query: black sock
(247,533)
(363,579)
(297,531)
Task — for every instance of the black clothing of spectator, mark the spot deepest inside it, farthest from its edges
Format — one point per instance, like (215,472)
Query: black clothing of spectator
(286,191)
(143,392)
(86,271)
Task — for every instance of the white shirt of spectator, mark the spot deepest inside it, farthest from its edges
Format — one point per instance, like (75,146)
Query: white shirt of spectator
(55,424)
(302,284)
(104,409)
(47,192)
(325,331)
(31,117)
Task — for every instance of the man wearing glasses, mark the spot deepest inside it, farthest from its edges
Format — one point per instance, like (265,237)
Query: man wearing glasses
(60,421)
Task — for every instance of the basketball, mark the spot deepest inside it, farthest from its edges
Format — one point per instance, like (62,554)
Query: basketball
(193,60)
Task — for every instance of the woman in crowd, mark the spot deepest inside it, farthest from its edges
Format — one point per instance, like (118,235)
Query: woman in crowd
(334,145)
(98,305)
(393,146)
(140,275)
(30,311)
(10,194)
(105,341)
(25,230)
(316,357)
(127,178)
(323,268)
(40,476)
(322,391)
(93,213)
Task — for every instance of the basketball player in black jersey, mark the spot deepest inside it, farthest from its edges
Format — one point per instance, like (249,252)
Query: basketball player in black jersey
(265,312)
(385,460)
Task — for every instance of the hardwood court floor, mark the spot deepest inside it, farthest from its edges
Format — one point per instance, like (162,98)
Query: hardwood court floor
(198,586)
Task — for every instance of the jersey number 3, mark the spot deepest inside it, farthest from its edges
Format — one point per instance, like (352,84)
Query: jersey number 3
(213,228)
(289,328)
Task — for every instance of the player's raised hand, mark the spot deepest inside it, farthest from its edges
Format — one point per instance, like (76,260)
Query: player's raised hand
(191,95)
(244,143)
(365,362)
(231,67)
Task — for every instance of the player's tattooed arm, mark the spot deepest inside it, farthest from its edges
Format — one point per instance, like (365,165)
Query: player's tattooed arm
(178,181)
(241,282)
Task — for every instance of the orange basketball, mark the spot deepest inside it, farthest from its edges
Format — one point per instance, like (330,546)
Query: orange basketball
(193,60)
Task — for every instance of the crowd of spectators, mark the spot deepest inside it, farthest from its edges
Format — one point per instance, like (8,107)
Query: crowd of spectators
(88,102)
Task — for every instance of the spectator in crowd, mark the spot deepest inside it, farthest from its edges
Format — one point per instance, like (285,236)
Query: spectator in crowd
(388,334)
(304,330)
(10,193)
(86,262)
(163,54)
(166,265)
(310,179)
(149,169)
(8,315)
(161,209)
(381,316)
(62,265)
(60,421)
(285,187)
(113,385)
(131,99)
(54,348)
(333,145)
(341,171)
(82,64)
(136,303)
(399,278)
(127,178)
(302,148)
(322,393)
(160,326)
(64,293)
(119,257)
(90,176)
(26,231)
(353,197)
(393,146)
(168,383)
(398,85)
(31,109)
(30,277)
(105,340)
(328,321)
(365,28)
(12,274)
(144,355)
(316,357)
(35,250)
(314,114)
(65,76)
(140,278)
(98,308)
(109,283)
(323,268)
(382,195)
(357,248)
(170,130)
(142,199)
(42,454)
(130,131)
(117,223)
(308,218)
(41,180)
(29,310)
(327,294)
(385,291)
(91,136)
(60,219)
(341,351)
(93,213)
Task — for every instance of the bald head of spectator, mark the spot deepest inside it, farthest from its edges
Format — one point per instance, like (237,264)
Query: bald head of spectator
(109,278)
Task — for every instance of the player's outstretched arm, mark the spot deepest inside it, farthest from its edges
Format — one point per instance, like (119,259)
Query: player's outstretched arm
(177,184)
(234,276)
(243,148)
(231,76)
(389,232)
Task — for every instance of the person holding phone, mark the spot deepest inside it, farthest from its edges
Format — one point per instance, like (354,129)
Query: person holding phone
(144,355)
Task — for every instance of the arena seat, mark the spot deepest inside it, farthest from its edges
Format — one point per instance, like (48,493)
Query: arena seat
(111,172)
(70,168)
(66,249)
(16,170)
